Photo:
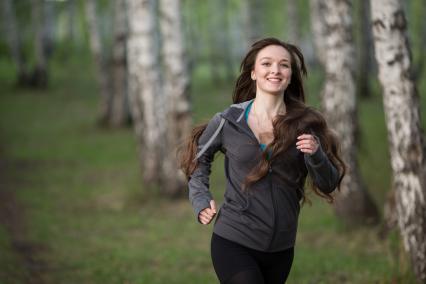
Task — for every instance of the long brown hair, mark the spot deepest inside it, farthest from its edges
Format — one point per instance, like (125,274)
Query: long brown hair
(298,119)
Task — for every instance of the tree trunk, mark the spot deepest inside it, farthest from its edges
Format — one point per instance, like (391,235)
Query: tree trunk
(402,112)
(144,70)
(353,205)
(101,66)
(365,49)
(118,117)
(177,87)
(39,76)
(319,28)
(14,42)
(293,22)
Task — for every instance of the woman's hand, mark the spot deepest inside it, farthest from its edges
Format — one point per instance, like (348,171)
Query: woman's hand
(307,144)
(207,215)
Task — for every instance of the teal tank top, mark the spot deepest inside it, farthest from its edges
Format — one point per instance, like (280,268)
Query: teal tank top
(262,145)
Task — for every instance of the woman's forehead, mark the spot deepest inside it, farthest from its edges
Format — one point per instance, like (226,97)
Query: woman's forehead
(276,52)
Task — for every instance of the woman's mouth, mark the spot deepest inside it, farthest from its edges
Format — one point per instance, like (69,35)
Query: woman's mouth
(274,80)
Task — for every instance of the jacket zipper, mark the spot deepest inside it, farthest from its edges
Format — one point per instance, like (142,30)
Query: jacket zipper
(274,228)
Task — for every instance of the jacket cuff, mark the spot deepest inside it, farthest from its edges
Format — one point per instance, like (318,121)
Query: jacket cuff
(316,158)
(200,206)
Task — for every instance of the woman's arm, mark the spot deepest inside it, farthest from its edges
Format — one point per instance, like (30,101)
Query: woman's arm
(199,193)
(323,173)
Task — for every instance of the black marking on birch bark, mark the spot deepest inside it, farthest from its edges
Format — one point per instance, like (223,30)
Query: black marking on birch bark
(399,21)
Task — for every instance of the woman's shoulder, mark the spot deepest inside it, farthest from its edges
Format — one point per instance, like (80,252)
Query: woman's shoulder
(235,110)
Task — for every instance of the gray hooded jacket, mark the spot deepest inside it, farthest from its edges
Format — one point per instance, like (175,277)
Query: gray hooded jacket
(265,216)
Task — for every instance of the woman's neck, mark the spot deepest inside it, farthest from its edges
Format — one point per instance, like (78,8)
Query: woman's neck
(268,106)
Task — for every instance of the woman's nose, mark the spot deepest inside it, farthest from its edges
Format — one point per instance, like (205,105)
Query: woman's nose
(275,68)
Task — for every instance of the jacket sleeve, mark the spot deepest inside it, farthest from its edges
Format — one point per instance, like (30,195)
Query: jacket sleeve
(199,193)
(323,173)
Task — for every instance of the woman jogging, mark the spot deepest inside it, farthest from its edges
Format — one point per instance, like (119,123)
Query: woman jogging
(271,141)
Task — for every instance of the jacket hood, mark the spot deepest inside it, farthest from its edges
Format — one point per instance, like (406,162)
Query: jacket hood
(235,112)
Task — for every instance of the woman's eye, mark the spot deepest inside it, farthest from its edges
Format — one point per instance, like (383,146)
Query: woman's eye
(284,65)
(266,64)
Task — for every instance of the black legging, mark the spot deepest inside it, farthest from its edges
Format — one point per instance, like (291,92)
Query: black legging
(237,264)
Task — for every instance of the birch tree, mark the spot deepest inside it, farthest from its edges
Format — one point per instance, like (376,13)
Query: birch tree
(147,91)
(405,136)
(100,62)
(118,109)
(353,204)
(179,120)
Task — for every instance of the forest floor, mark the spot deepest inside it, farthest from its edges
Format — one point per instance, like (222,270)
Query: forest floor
(13,219)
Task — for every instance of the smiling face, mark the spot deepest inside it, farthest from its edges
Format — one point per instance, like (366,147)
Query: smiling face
(272,70)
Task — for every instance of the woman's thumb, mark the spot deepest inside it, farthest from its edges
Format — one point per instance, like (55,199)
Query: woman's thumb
(213,205)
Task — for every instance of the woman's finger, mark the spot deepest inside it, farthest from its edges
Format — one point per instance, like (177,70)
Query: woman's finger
(209,212)
(205,214)
(204,220)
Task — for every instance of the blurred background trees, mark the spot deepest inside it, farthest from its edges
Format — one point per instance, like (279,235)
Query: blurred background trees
(147,55)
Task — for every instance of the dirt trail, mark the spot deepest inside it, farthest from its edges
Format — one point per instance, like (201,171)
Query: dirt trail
(13,219)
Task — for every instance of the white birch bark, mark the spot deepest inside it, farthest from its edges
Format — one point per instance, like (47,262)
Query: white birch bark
(119,73)
(100,64)
(145,72)
(353,204)
(402,112)
(177,89)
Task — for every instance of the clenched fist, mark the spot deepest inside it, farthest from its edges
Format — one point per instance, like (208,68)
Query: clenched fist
(207,214)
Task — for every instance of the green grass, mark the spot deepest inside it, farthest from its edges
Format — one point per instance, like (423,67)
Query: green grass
(85,201)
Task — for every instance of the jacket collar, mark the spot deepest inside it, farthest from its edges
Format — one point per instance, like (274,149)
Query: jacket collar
(235,112)
(235,115)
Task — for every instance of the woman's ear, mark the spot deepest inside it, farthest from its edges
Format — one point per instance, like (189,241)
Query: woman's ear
(253,76)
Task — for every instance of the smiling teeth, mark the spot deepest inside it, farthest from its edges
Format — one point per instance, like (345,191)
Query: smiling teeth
(274,80)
